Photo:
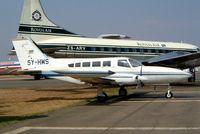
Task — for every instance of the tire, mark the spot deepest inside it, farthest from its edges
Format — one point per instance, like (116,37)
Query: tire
(37,77)
(122,92)
(169,95)
(103,97)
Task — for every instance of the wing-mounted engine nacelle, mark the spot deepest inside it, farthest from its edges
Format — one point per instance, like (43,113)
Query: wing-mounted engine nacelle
(193,72)
(127,79)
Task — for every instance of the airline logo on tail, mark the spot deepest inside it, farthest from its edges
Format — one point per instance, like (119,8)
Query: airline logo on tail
(36,15)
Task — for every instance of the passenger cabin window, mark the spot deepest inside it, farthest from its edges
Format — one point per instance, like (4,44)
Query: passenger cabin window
(86,64)
(123,63)
(106,63)
(71,65)
(77,64)
(96,64)
(134,63)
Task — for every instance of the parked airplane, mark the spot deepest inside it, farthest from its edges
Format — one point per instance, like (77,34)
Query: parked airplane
(120,71)
(58,42)
(9,67)
(14,68)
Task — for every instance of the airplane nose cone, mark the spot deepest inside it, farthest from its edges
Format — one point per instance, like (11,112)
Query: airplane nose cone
(183,73)
(167,75)
(188,74)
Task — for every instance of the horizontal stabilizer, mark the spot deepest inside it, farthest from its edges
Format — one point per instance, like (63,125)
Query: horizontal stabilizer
(68,79)
(58,76)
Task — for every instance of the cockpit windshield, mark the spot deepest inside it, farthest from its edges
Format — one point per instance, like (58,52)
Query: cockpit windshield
(134,63)
(123,63)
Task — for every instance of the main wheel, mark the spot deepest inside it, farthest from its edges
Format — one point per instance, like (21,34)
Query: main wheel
(122,91)
(37,77)
(169,95)
(103,97)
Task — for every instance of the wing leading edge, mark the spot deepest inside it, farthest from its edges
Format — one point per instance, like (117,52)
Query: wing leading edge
(177,59)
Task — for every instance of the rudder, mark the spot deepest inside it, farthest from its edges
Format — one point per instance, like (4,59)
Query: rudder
(29,55)
(36,25)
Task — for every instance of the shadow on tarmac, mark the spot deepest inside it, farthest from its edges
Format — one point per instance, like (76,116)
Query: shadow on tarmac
(141,96)
(116,99)
(42,99)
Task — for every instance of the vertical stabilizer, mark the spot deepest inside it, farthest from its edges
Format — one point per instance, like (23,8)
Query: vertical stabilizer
(33,14)
(29,55)
(36,25)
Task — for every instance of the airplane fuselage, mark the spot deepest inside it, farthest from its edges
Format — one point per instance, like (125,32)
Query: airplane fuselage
(58,42)
(119,71)
(9,68)
(83,47)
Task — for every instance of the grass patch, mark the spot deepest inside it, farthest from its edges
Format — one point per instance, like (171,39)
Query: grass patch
(6,120)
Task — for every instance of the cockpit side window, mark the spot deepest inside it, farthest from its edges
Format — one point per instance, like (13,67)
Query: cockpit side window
(123,63)
(135,63)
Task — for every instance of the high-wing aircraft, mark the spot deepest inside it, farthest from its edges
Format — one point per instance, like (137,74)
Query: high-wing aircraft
(118,71)
(58,42)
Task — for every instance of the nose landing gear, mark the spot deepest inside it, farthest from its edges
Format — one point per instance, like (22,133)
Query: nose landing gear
(169,94)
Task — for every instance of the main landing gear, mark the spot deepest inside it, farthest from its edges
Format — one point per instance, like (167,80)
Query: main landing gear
(122,92)
(103,97)
(37,76)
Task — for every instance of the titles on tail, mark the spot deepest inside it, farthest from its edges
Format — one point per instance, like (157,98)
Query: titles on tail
(30,56)
(36,25)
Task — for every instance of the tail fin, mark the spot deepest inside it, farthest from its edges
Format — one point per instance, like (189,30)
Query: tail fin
(29,55)
(35,23)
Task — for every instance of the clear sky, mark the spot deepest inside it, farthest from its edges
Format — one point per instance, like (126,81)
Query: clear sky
(161,20)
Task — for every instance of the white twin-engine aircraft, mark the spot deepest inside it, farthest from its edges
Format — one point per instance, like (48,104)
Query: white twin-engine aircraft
(118,71)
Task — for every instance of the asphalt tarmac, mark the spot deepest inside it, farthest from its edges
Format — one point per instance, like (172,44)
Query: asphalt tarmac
(29,82)
(139,113)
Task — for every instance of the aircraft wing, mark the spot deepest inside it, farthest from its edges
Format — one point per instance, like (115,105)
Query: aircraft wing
(177,59)
(79,78)
(83,80)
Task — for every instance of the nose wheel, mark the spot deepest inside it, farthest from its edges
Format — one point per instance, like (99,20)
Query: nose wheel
(169,94)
